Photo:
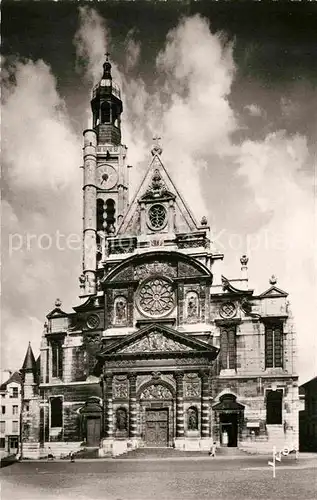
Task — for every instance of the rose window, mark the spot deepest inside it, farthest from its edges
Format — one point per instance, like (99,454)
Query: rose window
(156,297)
(157,216)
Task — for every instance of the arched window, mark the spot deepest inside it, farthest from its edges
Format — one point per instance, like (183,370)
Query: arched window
(228,347)
(192,418)
(99,214)
(57,412)
(121,419)
(274,400)
(105,112)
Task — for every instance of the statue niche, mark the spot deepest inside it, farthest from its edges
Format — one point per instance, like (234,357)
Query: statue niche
(192,307)
(120,311)
(121,419)
(192,419)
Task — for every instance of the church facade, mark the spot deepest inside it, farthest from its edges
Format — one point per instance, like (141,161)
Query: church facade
(161,350)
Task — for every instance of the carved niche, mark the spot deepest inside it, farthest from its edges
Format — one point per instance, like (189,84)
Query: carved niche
(192,418)
(156,391)
(155,341)
(120,311)
(192,307)
(121,419)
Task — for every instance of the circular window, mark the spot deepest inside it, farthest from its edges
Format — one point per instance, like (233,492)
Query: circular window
(93,321)
(156,297)
(157,216)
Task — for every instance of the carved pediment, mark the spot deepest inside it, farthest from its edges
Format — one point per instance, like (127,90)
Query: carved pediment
(273,292)
(158,339)
(154,342)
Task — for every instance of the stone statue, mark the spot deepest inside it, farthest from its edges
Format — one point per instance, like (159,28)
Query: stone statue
(121,419)
(192,306)
(192,419)
(120,310)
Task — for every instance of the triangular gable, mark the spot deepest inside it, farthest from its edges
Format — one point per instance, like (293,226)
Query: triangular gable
(56,313)
(273,292)
(156,339)
(168,189)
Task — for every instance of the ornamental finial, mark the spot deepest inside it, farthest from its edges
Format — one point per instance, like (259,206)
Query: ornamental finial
(244,260)
(273,280)
(58,303)
(156,149)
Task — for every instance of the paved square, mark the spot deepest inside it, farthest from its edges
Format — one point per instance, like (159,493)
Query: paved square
(181,479)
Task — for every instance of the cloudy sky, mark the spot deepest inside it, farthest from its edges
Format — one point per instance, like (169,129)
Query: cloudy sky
(230,88)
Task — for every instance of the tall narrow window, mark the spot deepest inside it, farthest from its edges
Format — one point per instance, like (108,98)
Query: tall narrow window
(57,359)
(110,211)
(274,401)
(99,214)
(105,113)
(273,345)
(228,348)
(57,412)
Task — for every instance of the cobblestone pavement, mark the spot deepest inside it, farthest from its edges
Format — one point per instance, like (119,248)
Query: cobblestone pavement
(190,479)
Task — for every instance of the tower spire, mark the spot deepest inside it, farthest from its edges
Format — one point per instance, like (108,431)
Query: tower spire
(29,363)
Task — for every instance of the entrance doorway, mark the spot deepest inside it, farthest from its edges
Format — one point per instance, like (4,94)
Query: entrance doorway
(229,429)
(93,431)
(156,427)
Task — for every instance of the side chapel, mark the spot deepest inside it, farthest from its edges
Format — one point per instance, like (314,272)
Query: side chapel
(162,350)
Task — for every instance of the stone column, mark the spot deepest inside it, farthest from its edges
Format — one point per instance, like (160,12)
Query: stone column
(133,431)
(179,376)
(108,407)
(205,425)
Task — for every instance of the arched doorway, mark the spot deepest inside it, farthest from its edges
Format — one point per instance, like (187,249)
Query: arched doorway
(91,421)
(156,402)
(229,415)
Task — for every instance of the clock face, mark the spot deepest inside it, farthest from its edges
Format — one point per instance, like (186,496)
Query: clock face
(107,176)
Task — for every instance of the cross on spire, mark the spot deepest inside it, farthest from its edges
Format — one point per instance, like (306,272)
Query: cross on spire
(156,148)
(107,54)
(156,138)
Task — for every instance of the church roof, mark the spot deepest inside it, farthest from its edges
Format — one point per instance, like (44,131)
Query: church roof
(29,360)
(15,377)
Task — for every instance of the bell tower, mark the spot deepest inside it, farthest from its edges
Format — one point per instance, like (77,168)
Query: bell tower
(105,185)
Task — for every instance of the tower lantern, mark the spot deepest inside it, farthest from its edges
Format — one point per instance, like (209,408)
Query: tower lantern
(107,107)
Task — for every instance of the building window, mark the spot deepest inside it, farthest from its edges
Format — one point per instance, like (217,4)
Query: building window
(2,442)
(14,392)
(157,217)
(2,426)
(57,359)
(228,348)
(15,426)
(57,412)
(274,346)
(3,410)
(274,401)
(15,409)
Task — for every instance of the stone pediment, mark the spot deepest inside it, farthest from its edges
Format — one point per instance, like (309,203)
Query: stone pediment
(273,292)
(158,339)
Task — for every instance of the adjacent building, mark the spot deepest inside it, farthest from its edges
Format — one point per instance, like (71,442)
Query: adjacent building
(10,394)
(308,417)
(162,349)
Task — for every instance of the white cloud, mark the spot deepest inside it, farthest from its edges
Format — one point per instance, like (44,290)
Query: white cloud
(41,185)
(254,110)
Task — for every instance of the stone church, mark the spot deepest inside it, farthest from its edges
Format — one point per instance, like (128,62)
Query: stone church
(161,350)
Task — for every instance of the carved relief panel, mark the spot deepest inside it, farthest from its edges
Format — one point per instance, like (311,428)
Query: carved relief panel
(120,387)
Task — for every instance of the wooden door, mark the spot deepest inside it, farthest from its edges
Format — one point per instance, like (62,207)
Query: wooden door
(93,431)
(156,427)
